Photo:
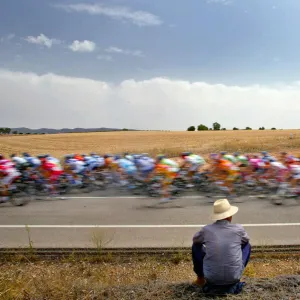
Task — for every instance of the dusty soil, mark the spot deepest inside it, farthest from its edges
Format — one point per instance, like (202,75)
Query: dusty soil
(146,280)
(283,288)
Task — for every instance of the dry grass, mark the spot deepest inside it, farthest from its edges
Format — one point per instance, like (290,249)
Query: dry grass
(171,143)
(83,280)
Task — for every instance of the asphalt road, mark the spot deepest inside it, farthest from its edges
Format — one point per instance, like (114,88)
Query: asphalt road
(87,220)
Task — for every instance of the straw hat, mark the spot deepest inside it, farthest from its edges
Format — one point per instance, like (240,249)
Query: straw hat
(223,210)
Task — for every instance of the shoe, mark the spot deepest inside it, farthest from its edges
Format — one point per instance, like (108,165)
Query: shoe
(200,282)
(164,200)
(4,199)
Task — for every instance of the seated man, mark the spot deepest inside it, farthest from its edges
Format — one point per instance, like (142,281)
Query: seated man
(221,251)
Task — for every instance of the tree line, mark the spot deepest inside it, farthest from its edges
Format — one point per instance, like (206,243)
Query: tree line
(217,126)
(5,130)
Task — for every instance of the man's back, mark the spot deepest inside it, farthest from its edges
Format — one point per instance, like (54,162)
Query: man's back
(223,262)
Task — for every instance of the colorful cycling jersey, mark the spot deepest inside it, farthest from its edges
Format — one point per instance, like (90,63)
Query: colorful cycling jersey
(294,169)
(91,163)
(77,166)
(195,159)
(256,163)
(278,165)
(19,161)
(52,165)
(100,160)
(170,164)
(7,169)
(268,158)
(126,165)
(145,164)
(242,160)
(225,165)
(33,161)
(230,158)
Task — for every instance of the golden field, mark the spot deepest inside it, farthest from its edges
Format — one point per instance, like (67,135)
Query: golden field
(152,142)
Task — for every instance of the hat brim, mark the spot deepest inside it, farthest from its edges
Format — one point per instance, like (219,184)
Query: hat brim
(229,213)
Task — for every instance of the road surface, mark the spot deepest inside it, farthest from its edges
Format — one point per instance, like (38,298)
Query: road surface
(116,221)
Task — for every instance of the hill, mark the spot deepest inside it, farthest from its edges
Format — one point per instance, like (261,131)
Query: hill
(64,130)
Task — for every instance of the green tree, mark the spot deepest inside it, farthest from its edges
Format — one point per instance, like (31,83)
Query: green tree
(7,130)
(224,128)
(15,132)
(202,127)
(124,129)
(261,128)
(235,128)
(216,126)
(191,128)
(273,128)
(248,128)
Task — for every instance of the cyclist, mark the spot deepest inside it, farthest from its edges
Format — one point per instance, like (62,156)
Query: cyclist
(192,162)
(8,173)
(168,170)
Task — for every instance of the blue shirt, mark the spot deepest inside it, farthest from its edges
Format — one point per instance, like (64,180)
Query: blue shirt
(223,262)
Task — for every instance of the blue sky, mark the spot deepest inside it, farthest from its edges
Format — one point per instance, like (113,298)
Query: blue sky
(235,42)
(142,63)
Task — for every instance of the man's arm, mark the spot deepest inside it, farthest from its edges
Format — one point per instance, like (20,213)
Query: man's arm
(244,236)
(199,237)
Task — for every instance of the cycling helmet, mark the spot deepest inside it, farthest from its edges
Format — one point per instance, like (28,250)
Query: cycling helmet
(223,152)
(160,157)
(265,153)
(129,157)
(236,154)
(184,154)
(13,155)
(1,156)
(214,156)
(25,154)
(92,154)
(117,157)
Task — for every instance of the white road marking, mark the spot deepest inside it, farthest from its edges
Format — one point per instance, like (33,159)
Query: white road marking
(131,197)
(145,197)
(142,226)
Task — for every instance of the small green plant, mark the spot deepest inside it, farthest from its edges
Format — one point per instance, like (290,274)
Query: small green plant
(30,242)
(100,240)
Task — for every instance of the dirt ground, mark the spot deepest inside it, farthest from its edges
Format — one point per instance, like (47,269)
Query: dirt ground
(280,288)
(148,279)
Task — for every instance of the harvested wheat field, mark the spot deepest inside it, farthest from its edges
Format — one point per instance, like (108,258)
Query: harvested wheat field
(171,143)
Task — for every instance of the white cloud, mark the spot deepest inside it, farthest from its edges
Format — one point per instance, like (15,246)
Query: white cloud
(117,50)
(158,103)
(140,18)
(42,40)
(104,57)
(9,37)
(84,46)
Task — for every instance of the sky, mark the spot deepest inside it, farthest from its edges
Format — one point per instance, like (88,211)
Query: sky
(149,64)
